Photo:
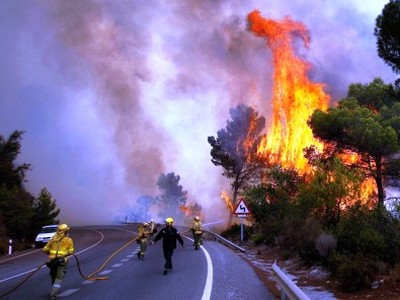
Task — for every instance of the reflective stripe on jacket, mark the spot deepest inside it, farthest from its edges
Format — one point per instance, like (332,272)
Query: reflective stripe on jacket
(59,248)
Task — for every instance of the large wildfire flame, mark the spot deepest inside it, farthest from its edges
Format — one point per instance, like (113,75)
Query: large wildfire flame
(295,97)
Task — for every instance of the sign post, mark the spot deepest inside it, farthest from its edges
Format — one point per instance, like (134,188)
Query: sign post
(242,211)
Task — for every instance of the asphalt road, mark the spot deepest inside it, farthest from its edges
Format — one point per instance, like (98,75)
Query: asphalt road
(214,272)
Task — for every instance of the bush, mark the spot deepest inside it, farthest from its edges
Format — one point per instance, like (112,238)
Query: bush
(354,271)
(359,232)
(394,275)
(233,232)
(257,238)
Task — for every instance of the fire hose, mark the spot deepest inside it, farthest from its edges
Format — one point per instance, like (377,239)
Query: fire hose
(89,277)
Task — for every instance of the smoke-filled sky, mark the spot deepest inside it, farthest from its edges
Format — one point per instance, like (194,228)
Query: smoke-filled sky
(111,94)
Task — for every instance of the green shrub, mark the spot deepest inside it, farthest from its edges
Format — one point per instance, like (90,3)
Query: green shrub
(354,271)
(371,242)
(233,232)
(394,275)
(257,238)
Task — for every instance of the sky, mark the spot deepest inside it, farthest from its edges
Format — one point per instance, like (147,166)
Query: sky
(111,94)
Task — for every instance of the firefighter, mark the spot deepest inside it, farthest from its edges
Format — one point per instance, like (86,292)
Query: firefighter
(170,235)
(58,249)
(142,240)
(152,229)
(197,233)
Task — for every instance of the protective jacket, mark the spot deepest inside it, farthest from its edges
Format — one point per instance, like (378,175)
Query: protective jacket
(143,232)
(59,246)
(169,235)
(196,228)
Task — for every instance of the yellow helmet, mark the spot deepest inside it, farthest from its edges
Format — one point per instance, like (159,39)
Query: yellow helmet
(169,221)
(63,227)
(145,224)
(196,218)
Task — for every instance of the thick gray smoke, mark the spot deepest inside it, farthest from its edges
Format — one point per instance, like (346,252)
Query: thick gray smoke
(113,93)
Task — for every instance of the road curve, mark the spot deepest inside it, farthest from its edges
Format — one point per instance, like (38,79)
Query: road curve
(215,272)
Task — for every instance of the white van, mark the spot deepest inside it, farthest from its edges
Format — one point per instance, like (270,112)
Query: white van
(45,234)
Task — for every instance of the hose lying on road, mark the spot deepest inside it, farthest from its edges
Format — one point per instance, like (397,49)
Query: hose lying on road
(89,277)
(23,281)
(109,258)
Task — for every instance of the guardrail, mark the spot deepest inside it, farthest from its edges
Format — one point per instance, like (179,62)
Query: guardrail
(288,287)
(289,290)
(225,241)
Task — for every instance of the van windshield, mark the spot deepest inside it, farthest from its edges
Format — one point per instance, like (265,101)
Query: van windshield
(48,229)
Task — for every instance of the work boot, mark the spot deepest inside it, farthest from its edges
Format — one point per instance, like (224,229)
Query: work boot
(138,255)
(55,288)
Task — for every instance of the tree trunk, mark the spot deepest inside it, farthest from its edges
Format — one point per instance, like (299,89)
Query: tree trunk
(234,197)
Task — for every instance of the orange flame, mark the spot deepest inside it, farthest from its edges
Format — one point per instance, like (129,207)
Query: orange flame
(295,97)
(191,210)
(228,201)
(185,210)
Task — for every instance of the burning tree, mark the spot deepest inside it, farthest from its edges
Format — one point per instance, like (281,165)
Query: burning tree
(191,210)
(235,148)
(365,123)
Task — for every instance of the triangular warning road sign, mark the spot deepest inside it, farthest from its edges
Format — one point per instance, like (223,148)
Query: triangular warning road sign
(242,208)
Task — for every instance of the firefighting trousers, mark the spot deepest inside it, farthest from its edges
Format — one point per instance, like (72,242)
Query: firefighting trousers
(57,275)
(143,245)
(197,239)
(168,252)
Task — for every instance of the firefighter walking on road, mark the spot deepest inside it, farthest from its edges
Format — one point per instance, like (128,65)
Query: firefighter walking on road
(170,235)
(152,229)
(143,239)
(58,249)
(197,233)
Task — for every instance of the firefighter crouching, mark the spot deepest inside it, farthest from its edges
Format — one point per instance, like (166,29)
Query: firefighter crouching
(58,249)
(197,233)
(143,239)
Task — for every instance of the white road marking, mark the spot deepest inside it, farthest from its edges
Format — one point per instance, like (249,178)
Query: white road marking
(124,260)
(116,265)
(67,293)
(105,272)
(209,279)
(88,282)
(18,256)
